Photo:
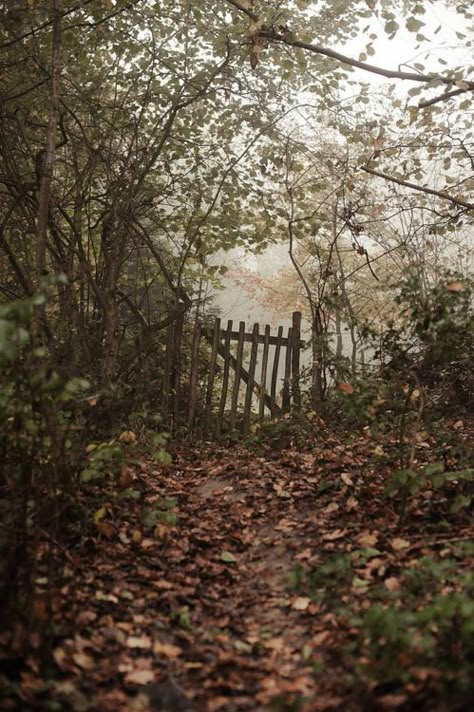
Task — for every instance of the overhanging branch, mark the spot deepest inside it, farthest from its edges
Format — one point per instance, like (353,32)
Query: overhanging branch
(420,188)
(271,35)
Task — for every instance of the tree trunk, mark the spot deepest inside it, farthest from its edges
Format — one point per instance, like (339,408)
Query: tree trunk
(49,153)
(46,172)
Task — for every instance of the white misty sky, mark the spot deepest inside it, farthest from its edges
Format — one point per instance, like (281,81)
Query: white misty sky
(403,49)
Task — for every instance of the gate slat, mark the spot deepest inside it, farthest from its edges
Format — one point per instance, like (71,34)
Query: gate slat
(193,379)
(212,372)
(238,366)
(263,376)
(225,378)
(276,363)
(250,384)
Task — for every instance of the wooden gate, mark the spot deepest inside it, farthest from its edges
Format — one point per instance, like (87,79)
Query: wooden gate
(238,381)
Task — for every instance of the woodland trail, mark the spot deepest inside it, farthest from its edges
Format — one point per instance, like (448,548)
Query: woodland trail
(197,614)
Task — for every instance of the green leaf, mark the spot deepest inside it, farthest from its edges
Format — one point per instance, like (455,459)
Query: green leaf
(461,502)
(391,27)
(100,514)
(150,518)
(413,25)
(228,558)
(434,468)
(163,457)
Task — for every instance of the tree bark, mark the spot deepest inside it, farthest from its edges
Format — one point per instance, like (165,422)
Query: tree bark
(50,151)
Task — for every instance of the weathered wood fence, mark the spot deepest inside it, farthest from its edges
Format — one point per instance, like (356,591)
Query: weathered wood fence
(235,385)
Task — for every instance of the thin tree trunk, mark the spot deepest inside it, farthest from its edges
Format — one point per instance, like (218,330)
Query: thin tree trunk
(49,154)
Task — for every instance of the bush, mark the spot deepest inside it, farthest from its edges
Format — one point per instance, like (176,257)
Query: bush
(40,446)
(434,339)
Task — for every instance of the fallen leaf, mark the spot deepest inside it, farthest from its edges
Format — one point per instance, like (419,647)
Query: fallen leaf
(399,544)
(277,643)
(39,609)
(392,583)
(86,617)
(306,553)
(367,539)
(347,479)
(359,584)
(285,525)
(140,677)
(391,702)
(85,662)
(243,647)
(137,536)
(321,637)
(217,703)
(351,504)
(107,529)
(141,641)
(301,603)
(228,558)
(167,650)
(336,534)
(59,655)
(126,477)
(100,514)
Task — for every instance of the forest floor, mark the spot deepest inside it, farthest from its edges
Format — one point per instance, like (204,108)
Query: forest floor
(188,595)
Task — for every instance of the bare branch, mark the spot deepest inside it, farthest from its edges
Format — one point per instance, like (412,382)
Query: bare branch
(442,97)
(270,34)
(421,188)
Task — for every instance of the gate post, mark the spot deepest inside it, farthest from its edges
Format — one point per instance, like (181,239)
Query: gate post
(295,360)
(286,397)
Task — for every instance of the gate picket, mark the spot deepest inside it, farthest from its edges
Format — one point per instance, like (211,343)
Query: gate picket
(213,417)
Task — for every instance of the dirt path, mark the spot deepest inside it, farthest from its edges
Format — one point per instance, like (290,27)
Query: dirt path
(197,616)
(183,597)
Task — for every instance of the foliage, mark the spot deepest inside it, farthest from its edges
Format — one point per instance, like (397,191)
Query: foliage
(431,641)
(405,484)
(139,140)
(40,448)
(419,632)
(434,340)
(45,454)
(293,429)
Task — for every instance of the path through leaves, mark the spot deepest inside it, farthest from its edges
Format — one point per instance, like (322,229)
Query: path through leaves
(184,599)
